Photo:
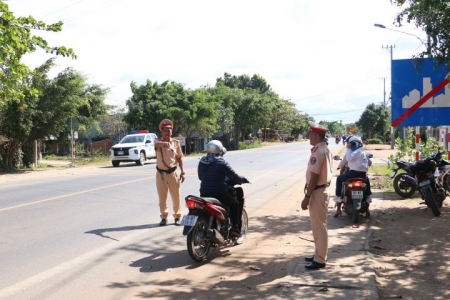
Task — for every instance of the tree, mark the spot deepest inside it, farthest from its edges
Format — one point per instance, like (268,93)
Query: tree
(152,102)
(193,111)
(65,96)
(433,16)
(251,100)
(336,128)
(373,121)
(112,124)
(16,39)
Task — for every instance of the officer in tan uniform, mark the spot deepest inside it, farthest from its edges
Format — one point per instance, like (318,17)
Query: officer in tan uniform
(168,157)
(318,178)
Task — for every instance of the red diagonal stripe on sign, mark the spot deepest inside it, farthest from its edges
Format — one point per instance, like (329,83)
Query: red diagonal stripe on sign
(420,102)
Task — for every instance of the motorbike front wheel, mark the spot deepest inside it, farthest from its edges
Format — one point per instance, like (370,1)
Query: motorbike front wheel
(431,203)
(447,184)
(197,243)
(402,187)
(244,227)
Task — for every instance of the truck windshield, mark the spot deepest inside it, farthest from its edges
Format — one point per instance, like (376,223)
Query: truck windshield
(132,139)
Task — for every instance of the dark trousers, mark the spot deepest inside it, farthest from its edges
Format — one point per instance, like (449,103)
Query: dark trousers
(230,201)
(351,174)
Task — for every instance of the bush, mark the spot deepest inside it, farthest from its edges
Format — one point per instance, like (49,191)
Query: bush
(406,149)
(249,145)
(375,141)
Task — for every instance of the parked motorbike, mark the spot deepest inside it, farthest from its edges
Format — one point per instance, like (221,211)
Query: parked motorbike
(354,194)
(208,224)
(427,181)
(406,189)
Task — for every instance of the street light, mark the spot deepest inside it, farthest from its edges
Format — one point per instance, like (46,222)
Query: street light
(426,43)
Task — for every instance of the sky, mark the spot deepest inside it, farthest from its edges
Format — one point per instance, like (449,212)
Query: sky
(326,56)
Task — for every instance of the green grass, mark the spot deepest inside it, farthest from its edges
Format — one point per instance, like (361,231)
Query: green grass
(379,174)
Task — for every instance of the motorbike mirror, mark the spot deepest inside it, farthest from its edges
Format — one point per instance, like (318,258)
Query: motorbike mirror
(337,157)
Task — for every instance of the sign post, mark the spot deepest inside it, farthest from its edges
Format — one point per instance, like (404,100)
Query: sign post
(182,141)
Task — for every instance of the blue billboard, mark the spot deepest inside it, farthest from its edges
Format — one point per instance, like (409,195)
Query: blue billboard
(410,84)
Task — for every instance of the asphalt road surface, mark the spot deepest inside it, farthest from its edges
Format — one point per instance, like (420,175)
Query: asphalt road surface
(95,235)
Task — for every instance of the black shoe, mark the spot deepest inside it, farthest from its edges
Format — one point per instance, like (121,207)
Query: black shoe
(177,222)
(309,258)
(314,265)
(163,222)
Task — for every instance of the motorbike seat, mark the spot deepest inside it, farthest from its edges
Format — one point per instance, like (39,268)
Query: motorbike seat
(205,199)
(212,200)
(445,167)
(355,179)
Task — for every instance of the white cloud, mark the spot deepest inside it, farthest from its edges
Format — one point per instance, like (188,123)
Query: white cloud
(324,55)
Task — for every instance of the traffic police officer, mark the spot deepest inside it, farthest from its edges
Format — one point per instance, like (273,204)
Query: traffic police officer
(168,157)
(318,178)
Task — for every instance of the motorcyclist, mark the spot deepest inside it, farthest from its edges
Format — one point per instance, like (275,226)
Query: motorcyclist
(212,171)
(358,165)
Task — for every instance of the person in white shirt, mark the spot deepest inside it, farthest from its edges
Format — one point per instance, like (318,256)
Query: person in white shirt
(358,164)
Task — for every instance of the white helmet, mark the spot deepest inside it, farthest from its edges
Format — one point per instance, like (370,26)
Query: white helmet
(216,147)
(354,139)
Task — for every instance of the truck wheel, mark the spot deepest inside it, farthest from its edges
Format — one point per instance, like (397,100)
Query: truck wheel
(141,160)
(115,163)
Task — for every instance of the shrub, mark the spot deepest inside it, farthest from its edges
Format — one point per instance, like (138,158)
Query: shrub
(375,141)
(249,145)
(407,152)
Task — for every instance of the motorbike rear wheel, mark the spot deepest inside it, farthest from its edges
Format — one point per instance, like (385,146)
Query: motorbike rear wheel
(402,187)
(197,244)
(431,203)
(244,227)
(356,216)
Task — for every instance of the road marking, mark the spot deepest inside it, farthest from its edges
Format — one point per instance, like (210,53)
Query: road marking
(72,194)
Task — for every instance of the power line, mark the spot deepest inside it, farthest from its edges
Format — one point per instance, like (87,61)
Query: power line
(340,112)
(54,12)
(88,11)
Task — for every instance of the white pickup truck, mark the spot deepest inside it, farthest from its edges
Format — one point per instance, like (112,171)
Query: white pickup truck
(134,147)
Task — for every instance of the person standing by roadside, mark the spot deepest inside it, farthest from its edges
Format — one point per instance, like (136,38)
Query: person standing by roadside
(318,178)
(168,157)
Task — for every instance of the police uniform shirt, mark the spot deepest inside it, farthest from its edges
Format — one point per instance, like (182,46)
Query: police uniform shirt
(169,155)
(320,163)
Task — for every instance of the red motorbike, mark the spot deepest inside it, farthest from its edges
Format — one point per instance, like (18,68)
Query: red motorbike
(207,225)
(354,194)
(354,198)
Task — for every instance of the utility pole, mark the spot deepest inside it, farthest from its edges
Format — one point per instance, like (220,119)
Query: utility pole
(384,91)
(390,49)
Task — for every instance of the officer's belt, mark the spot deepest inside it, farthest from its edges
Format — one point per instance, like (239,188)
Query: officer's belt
(322,186)
(169,171)
(325,185)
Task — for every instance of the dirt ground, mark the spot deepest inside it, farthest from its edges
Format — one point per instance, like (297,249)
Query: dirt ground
(409,246)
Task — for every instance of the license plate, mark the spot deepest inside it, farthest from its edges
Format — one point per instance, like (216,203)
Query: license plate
(357,194)
(424,183)
(119,152)
(393,174)
(189,220)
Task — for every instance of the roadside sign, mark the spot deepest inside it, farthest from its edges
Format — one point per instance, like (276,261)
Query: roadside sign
(420,96)
(181,139)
